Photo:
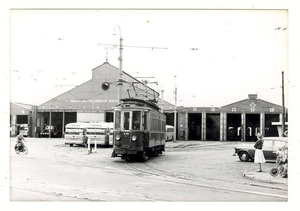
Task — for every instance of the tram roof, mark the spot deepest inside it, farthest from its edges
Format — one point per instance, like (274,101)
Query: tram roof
(135,100)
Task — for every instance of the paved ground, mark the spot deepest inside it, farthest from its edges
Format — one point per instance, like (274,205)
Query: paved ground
(188,171)
(263,176)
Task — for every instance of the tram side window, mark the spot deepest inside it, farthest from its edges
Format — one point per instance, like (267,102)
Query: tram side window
(163,126)
(126,121)
(136,118)
(145,121)
(117,120)
(159,125)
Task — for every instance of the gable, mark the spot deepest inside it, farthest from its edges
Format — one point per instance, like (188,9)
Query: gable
(252,105)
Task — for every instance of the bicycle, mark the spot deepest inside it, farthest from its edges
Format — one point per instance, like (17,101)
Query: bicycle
(21,150)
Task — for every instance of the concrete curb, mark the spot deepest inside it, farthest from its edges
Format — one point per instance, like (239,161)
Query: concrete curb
(265,176)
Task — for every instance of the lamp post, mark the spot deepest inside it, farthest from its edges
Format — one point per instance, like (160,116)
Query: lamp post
(120,64)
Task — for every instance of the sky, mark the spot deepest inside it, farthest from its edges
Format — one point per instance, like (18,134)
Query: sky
(213,57)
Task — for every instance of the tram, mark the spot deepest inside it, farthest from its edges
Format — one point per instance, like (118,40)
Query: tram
(139,129)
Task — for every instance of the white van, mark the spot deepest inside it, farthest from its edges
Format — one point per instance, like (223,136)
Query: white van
(169,133)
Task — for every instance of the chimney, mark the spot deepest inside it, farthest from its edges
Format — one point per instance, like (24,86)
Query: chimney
(252,96)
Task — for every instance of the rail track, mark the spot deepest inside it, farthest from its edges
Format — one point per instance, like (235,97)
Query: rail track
(149,170)
(185,179)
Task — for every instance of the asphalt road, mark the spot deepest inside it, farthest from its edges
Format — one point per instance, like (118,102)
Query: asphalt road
(188,171)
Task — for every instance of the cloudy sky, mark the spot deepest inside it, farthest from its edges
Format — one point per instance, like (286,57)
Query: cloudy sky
(213,57)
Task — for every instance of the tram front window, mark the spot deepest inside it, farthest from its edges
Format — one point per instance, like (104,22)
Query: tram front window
(136,118)
(126,121)
(117,120)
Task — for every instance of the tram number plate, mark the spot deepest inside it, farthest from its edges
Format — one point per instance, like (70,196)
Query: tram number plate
(126,134)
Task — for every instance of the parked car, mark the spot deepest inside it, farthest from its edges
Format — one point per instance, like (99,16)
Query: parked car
(270,147)
(45,132)
(24,130)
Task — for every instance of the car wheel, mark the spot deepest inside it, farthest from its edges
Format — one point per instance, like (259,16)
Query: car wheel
(244,156)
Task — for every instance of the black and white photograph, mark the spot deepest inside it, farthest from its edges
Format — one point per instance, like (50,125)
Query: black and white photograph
(150,104)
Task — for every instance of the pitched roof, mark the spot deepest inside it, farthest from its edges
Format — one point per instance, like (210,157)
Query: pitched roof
(16,109)
(90,92)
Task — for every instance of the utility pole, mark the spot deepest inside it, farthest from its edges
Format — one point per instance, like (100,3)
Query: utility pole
(175,115)
(120,64)
(283,108)
(121,46)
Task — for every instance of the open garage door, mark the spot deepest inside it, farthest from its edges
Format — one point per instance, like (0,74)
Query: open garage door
(194,126)
(213,127)
(233,127)
(252,126)
(271,130)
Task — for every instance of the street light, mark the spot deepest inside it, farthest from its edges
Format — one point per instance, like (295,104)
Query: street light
(120,63)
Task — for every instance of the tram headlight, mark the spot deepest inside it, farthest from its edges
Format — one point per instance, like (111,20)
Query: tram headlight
(134,138)
(118,138)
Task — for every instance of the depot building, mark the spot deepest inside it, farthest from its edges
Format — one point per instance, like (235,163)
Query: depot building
(89,102)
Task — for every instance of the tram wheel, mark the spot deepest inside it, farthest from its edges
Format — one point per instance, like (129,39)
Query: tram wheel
(145,157)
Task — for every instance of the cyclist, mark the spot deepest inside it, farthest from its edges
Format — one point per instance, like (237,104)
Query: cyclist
(20,141)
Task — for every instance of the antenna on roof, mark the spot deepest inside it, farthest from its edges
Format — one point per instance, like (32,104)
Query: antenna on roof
(106,55)
(106,48)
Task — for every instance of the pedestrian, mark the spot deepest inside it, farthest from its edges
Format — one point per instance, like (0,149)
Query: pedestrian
(259,155)
(84,137)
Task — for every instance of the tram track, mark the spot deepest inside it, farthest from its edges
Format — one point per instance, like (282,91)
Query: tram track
(149,170)
(211,184)
(143,169)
